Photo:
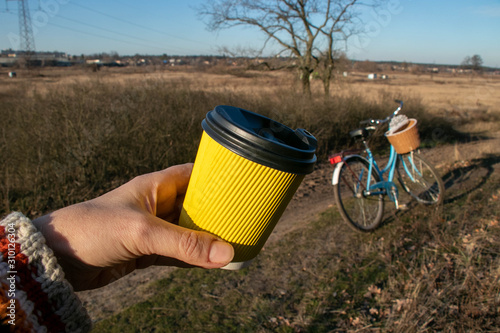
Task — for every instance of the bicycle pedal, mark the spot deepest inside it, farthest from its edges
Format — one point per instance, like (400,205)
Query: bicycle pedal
(403,207)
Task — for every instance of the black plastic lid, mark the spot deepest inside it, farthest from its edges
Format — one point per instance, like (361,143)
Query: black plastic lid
(261,140)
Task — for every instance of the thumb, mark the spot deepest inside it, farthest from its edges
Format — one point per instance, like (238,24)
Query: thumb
(192,247)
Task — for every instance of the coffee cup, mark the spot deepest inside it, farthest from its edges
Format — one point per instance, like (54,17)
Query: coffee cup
(246,171)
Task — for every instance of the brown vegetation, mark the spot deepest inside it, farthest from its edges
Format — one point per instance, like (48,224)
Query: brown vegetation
(69,135)
(67,139)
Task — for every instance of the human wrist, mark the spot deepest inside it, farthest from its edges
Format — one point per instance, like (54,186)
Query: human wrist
(40,290)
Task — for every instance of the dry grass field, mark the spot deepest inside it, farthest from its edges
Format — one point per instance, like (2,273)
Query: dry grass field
(68,134)
(440,92)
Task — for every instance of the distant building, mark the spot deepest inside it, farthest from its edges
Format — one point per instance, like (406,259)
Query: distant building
(10,57)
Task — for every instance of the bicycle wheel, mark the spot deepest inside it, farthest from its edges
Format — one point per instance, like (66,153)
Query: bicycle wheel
(361,211)
(419,178)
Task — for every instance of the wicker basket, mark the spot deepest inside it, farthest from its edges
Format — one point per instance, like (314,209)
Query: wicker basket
(406,138)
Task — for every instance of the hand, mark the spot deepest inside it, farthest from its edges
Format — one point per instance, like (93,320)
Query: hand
(101,240)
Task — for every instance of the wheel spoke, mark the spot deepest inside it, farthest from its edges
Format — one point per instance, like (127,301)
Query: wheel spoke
(420,179)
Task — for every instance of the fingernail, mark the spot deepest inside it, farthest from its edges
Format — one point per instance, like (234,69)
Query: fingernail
(220,252)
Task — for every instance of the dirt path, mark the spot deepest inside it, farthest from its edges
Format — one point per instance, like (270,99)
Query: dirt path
(464,167)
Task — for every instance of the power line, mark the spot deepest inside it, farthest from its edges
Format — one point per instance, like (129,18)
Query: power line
(100,28)
(176,49)
(105,37)
(138,25)
(102,36)
(8,11)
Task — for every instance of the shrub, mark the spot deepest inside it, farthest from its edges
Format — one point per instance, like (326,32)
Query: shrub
(74,143)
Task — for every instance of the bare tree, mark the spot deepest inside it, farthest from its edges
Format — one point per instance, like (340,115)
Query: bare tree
(340,28)
(300,27)
(475,62)
(329,62)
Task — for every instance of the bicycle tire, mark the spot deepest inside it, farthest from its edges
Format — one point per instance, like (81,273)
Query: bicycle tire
(420,179)
(363,213)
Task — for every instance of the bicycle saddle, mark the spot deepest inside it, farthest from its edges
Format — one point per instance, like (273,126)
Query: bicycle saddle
(360,133)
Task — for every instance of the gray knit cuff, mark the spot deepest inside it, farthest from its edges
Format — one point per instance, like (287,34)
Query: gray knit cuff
(41,288)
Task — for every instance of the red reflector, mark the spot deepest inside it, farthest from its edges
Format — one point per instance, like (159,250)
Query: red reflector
(336,159)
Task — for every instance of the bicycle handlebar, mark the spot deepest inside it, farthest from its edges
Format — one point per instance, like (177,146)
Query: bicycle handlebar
(382,121)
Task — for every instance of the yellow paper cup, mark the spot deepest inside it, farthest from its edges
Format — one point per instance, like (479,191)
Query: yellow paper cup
(246,171)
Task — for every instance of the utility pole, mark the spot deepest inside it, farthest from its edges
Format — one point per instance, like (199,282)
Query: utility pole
(26,38)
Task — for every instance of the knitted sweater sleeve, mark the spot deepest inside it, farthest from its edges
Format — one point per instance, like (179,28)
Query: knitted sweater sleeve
(35,297)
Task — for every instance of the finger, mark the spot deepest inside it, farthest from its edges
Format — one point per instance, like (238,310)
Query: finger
(192,247)
(157,192)
(172,184)
(177,175)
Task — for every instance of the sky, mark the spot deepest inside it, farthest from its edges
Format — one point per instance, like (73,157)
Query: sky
(415,31)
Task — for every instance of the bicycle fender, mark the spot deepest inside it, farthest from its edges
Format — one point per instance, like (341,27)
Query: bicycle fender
(338,167)
(336,173)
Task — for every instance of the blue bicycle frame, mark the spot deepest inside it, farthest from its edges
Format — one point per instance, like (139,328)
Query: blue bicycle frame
(388,186)
(383,186)
(360,184)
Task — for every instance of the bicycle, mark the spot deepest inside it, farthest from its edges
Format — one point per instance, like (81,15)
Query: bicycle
(360,185)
